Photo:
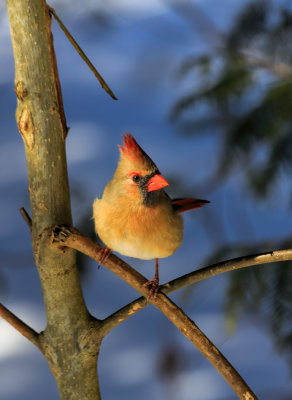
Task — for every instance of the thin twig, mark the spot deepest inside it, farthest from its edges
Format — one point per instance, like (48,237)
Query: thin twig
(71,237)
(26,217)
(76,46)
(20,326)
(204,273)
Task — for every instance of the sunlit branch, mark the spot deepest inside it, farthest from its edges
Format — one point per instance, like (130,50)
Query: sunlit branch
(71,237)
(204,273)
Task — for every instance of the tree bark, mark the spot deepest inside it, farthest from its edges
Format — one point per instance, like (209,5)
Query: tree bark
(41,122)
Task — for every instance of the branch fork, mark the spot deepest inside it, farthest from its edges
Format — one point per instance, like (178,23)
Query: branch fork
(71,237)
(63,237)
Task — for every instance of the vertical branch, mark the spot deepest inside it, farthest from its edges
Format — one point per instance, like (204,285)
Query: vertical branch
(42,125)
(40,115)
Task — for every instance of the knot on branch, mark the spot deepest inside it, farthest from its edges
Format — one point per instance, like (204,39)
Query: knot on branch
(60,234)
(20,90)
(26,128)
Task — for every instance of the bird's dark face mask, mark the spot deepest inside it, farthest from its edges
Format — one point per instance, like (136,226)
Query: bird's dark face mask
(150,186)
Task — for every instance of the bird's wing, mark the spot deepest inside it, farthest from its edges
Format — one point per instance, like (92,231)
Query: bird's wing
(182,205)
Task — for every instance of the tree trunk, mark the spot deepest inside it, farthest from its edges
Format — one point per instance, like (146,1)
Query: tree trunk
(41,122)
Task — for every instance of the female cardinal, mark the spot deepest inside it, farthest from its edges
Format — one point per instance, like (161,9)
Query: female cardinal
(135,217)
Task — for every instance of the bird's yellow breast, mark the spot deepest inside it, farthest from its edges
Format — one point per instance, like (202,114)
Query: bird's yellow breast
(136,230)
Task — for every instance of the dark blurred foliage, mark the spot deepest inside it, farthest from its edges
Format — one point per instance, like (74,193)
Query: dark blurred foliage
(264,291)
(242,91)
(172,360)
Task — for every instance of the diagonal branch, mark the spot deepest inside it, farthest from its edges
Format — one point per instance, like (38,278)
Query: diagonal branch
(196,276)
(72,238)
(20,326)
(76,46)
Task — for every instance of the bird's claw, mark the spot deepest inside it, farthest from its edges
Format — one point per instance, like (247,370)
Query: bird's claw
(103,254)
(154,287)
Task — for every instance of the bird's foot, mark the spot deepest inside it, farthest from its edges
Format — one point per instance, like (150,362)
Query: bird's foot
(154,287)
(103,254)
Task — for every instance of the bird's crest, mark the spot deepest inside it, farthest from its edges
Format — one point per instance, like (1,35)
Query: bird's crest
(131,149)
(133,152)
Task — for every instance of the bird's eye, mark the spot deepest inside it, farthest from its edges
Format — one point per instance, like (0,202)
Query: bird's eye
(136,178)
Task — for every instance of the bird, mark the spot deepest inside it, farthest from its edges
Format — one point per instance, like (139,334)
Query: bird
(135,216)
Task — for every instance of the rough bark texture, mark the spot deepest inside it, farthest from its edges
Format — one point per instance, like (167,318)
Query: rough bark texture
(41,122)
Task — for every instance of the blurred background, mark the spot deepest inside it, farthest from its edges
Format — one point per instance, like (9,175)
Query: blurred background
(206,89)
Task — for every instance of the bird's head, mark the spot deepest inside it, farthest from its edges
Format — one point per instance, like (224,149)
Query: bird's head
(139,176)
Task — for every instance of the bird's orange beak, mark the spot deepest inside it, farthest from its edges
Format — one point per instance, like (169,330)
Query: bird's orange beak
(156,182)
